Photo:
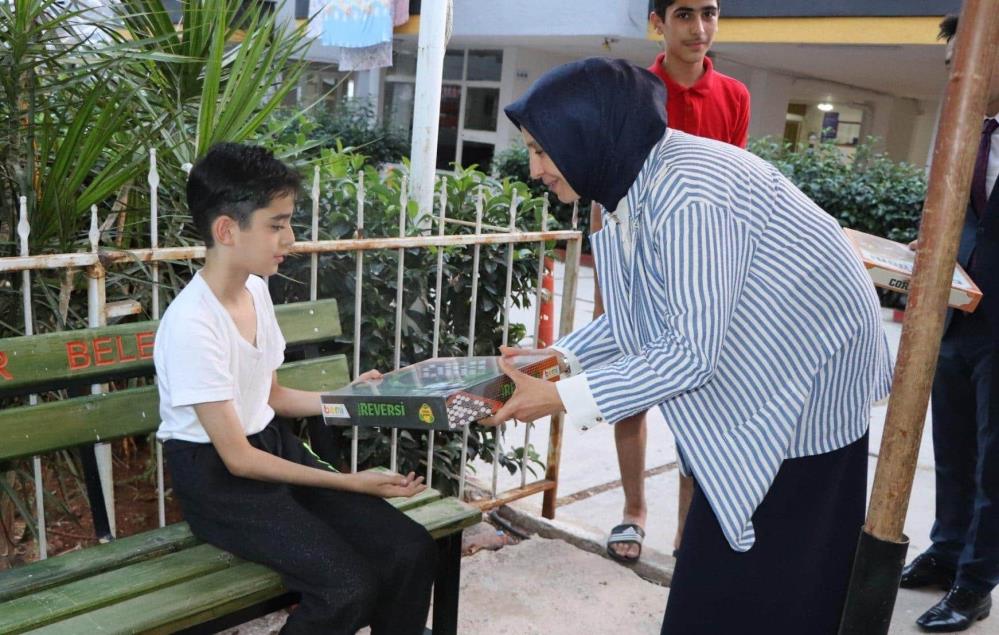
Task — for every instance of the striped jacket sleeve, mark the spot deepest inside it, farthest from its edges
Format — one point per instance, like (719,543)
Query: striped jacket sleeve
(701,254)
(591,345)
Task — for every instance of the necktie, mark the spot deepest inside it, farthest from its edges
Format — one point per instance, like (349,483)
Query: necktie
(979,197)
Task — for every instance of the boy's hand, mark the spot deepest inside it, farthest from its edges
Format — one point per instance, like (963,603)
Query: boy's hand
(387,485)
(369,375)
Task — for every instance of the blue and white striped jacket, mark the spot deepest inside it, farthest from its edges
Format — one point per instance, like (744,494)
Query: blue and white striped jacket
(737,306)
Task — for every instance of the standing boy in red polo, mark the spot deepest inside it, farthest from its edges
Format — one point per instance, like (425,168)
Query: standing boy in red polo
(702,102)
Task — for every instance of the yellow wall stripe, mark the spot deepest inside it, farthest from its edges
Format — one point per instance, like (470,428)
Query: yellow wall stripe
(411,27)
(871,31)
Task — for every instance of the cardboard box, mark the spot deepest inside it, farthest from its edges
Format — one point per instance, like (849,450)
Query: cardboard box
(890,266)
(445,393)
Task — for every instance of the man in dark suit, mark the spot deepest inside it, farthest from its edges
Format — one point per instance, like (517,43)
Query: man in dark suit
(964,557)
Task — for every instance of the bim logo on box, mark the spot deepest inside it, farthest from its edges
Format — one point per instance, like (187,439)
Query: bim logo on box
(335,411)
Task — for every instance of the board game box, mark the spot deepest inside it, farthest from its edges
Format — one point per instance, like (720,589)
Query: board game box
(445,393)
(890,266)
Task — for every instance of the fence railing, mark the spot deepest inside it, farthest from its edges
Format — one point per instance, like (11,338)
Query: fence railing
(97,261)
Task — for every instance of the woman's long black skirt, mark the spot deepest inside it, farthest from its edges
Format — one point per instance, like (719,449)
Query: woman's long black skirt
(793,580)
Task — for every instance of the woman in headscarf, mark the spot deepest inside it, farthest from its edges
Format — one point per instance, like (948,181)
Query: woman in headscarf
(735,305)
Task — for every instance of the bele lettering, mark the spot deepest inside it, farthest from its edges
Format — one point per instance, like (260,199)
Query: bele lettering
(3,367)
(109,350)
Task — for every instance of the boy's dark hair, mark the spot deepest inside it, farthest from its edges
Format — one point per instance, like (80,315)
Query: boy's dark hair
(660,7)
(948,27)
(235,180)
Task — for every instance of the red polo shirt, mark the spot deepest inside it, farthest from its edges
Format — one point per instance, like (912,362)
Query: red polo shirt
(716,107)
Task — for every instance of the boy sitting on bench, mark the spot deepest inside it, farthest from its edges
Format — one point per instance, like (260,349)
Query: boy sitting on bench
(245,482)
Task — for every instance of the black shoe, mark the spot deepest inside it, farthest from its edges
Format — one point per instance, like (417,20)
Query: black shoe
(959,609)
(927,570)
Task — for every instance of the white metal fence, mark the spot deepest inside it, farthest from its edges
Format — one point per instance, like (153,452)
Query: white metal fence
(97,261)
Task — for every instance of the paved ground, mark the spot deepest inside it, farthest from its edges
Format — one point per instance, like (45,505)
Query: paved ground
(555,586)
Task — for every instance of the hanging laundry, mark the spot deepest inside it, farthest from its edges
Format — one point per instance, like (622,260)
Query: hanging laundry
(366,58)
(353,23)
(400,12)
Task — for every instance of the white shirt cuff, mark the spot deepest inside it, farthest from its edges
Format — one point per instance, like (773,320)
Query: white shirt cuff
(574,366)
(581,410)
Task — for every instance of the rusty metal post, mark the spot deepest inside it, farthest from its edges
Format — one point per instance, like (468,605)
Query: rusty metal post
(476,254)
(437,317)
(565,324)
(96,317)
(596,224)
(358,287)
(153,178)
(399,280)
(23,231)
(881,551)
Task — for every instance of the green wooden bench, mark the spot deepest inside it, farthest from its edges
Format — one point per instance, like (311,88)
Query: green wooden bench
(164,580)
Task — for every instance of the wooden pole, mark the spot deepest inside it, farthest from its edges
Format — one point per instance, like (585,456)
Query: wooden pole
(881,550)
(943,216)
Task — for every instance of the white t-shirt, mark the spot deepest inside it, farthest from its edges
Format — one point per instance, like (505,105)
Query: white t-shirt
(201,357)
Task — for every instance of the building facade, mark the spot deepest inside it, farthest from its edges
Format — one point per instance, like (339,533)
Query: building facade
(846,69)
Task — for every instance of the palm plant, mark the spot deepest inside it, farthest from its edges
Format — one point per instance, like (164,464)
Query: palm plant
(218,77)
(84,94)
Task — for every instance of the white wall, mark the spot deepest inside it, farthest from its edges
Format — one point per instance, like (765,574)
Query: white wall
(910,130)
(521,68)
(517,18)
(921,134)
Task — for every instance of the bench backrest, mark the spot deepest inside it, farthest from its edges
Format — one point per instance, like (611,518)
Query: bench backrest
(45,362)
(37,363)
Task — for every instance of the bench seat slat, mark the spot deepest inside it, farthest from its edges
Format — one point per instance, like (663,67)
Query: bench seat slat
(445,516)
(194,600)
(95,560)
(55,425)
(81,596)
(172,608)
(41,362)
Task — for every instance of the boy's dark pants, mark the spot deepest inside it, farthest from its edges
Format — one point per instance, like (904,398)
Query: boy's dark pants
(354,558)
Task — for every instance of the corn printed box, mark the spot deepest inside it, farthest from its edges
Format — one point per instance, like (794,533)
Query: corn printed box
(890,266)
(445,393)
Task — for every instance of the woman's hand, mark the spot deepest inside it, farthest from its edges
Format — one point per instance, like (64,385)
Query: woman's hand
(532,398)
(387,485)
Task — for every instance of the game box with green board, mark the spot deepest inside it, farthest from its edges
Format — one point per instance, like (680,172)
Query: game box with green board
(446,393)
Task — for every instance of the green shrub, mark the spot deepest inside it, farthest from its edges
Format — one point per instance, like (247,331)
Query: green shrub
(350,125)
(867,191)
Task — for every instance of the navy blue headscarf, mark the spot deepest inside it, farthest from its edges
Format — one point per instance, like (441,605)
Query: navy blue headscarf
(597,119)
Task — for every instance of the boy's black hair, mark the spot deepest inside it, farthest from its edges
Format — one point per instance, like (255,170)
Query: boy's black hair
(235,180)
(948,27)
(660,7)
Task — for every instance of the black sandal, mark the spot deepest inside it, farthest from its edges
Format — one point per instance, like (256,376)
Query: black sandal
(627,534)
